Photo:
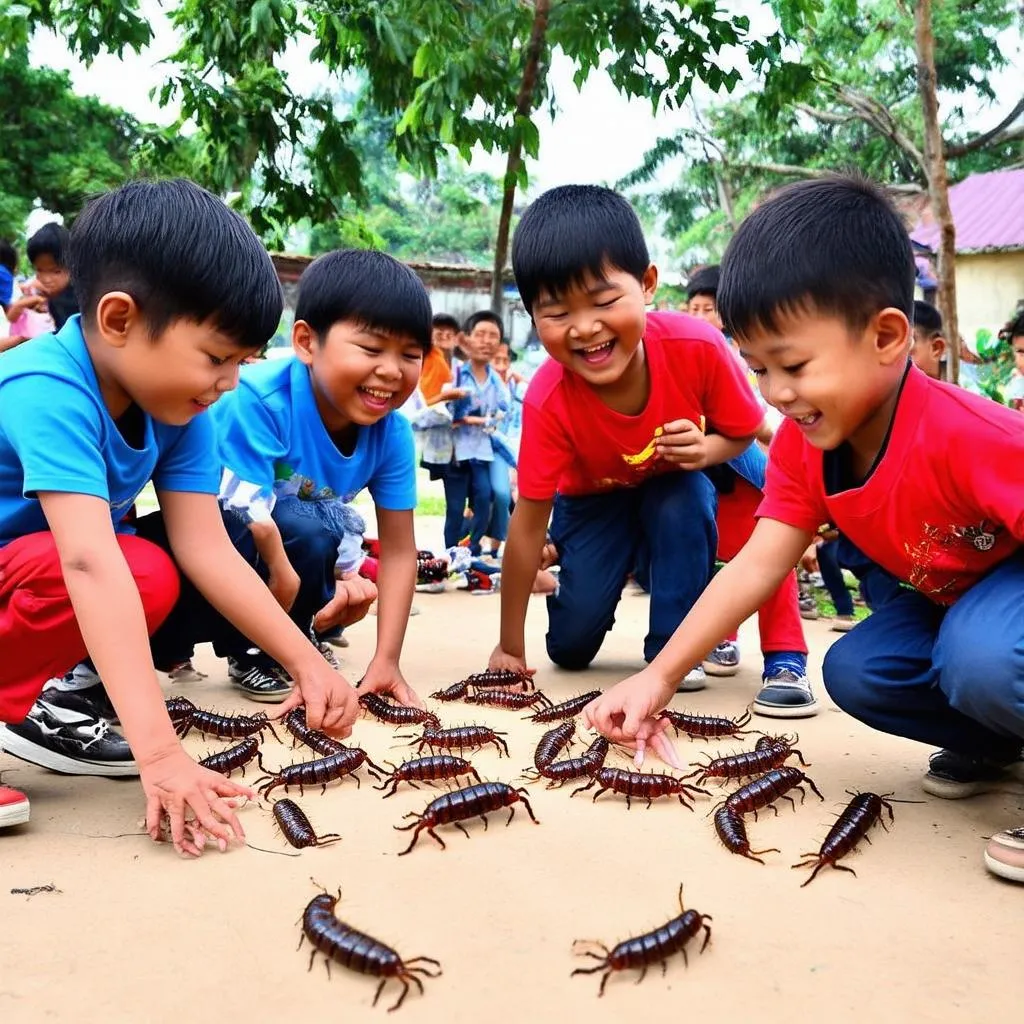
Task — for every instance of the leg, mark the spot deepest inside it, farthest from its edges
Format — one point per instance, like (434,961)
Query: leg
(832,577)
(501,491)
(480,480)
(456,491)
(596,540)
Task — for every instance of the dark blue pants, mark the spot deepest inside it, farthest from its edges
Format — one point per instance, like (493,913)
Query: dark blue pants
(876,584)
(597,537)
(467,481)
(832,577)
(952,678)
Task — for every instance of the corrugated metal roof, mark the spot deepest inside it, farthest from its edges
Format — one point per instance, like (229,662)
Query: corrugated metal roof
(988,210)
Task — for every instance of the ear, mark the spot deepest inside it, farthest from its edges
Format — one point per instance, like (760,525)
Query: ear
(892,335)
(649,283)
(117,315)
(938,347)
(304,341)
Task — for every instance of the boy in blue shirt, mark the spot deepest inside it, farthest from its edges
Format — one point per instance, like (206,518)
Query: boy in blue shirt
(176,292)
(300,438)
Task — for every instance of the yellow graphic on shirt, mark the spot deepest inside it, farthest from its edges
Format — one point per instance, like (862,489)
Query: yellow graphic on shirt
(645,454)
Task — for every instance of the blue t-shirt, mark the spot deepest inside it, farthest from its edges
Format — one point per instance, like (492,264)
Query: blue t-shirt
(274,445)
(57,435)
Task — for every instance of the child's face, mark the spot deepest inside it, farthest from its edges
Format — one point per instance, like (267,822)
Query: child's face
(501,362)
(595,328)
(1018,352)
(833,382)
(704,308)
(359,374)
(443,338)
(52,277)
(927,352)
(482,342)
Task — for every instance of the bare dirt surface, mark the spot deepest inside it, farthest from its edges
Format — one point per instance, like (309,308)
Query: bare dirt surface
(922,933)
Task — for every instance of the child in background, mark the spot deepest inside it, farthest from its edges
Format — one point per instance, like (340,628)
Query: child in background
(612,432)
(1013,333)
(924,478)
(23,312)
(177,291)
(505,441)
(928,349)
(47,252)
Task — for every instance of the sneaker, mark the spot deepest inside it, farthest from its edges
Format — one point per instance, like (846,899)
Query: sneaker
(1004,855)
(808,608)
(785,694)
(325,651)
(724,660)
(431,588)
(14,808)
(259,679)
(60,734)
(89,700)
(695,679)
(477,582)
(335,637)
(953,776)
(185,672)
(843,623)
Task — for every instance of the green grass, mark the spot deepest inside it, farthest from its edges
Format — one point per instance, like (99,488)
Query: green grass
(826,609)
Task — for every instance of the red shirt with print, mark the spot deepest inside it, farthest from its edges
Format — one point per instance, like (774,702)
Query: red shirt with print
(944,503)
(572,443)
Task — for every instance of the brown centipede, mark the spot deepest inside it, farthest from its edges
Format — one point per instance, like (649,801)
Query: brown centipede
(454,692)
(510,700)
(396,714)
(641,785)
(296,827)
(567,709)
(646,950)
(428,769)
(226,761)
(358,951)
(495,677)
(180,710)
(707,726)
(318,772)
(295,723)
(771,786)
(227,727)
(453,808)
(558,773)
(733,833)
(552,743)
(462,737)
(770,752)
(853,824)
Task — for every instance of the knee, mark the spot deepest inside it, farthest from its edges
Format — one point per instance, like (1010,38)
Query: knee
(843,672)
(573,654)
(308,542)
(155,575)
(685,501)
(981,681)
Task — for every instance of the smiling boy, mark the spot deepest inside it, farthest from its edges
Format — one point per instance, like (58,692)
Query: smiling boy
(924,478)
(613,432)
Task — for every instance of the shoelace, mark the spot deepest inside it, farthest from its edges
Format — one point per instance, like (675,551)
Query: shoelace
(258,679)
(787,679)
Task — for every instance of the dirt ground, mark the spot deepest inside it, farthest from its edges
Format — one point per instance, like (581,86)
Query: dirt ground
(922,933)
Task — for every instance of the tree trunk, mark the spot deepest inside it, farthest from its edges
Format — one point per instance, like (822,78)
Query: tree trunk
(524,107)
(938,186)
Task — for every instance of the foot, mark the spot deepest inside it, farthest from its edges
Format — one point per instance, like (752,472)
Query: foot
(477,582)
(62,733)
(724,660)
(14,807)
(437,587)
(90,698)
(843,623)
(785,694)
(808,608)
(258,678)
(1004,855)
(695,679)
(953,776)
(325,650)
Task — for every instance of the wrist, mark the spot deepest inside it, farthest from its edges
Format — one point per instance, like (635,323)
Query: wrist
(154,750)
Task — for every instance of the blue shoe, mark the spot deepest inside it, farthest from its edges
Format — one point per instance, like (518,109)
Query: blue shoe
(785,693)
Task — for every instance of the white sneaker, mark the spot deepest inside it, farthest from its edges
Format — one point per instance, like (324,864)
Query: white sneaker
(695,679)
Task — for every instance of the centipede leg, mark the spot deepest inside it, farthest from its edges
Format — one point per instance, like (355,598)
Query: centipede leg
(461,828)
(643,974)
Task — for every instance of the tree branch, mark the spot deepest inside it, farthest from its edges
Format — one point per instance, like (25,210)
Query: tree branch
(794,171)
(995,135)
(880,118)
(825,116)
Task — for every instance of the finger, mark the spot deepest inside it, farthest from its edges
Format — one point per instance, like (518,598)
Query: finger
(204,812)
(226,788)
(677,427)
(223,809)
(408,696)
(641,748)
(154,812)
(176,817)
(316,706)
(631,721)
(665,749)
(293,700)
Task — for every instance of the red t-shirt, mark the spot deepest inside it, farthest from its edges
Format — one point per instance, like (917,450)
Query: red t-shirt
(573,443)
(944,504)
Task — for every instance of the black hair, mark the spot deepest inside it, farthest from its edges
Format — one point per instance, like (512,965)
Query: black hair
(484,316)
(368,288)
(704,282)
(833,245)
(927,317)
(8,256)
(50,240)
(181,254)
(445,321)
(1014,328)
(571,232)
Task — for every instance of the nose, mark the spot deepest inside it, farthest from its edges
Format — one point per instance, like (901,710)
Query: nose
(388,366)
(776,392)
(585,325)
(228,380)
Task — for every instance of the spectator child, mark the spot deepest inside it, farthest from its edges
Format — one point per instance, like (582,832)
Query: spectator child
(1014,334)
(48,253)
(928,349)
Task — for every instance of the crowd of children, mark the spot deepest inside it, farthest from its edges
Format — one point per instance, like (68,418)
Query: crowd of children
(638,448)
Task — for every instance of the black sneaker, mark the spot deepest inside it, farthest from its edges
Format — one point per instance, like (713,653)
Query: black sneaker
(61,734)
(785,694)
(90,700)
(953,776)
(325,650)
(259,678)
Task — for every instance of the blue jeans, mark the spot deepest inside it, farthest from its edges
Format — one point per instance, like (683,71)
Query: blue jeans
(468,480)
(949,677)
(597,537)
(501,493)
(832,577)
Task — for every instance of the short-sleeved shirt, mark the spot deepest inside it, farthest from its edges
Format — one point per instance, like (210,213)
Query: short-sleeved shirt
(944,502)
(274,445)
(57,435)
(572,443)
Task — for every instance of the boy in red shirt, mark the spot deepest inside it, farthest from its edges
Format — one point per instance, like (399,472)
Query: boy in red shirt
(617,425)
(924,478)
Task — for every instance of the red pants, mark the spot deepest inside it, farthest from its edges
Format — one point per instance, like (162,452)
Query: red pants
(778,619)
(39,634)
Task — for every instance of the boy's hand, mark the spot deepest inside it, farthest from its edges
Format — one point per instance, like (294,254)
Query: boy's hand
(809,559)
(549,555)
(500,659)
(351,602)
(328,696)
(382,677)
(175,785)
(284,584)
(683,443)
(627,714)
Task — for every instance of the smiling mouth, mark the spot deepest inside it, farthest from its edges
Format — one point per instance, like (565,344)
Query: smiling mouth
(595,351)
(377,394)
(806,421)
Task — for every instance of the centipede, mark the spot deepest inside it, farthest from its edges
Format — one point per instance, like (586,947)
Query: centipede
(644,951)
(707,726)
(462,737)
(296,827)
(647,786)
(495,677)
(457,691)
(552,743)
(427,769)
(770,752)
(227,761)
(360,952)
(475,801)
(227,727)
(733,833)
(396,714)
(853,824)
(509,700)
(317,773)
(772,786)
(558,773)
(567,709)
(295,723)
(180,709)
